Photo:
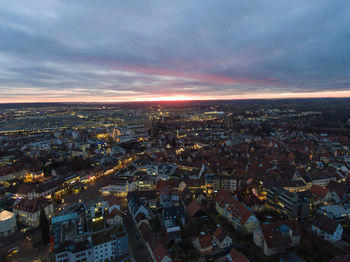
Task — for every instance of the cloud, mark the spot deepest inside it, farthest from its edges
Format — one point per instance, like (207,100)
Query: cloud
(120,50)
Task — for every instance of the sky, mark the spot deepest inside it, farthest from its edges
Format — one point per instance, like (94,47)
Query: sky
(150,50)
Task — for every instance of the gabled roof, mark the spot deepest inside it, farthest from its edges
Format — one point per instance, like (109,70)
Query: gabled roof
(237,256)
(205,241)
(115,212)
(236,208)
(193,208)
(318,191)
(219,234)
(279,233)
(32,205)
(325,224)
(158,249)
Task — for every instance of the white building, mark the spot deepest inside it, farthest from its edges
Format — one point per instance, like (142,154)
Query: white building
(28,210)
(327,228)
(7,223)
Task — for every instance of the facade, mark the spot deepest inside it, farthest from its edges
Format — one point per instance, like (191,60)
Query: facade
(230,183)
(8,224)
(28,210)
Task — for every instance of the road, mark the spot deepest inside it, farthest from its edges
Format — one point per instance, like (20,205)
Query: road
(136,243)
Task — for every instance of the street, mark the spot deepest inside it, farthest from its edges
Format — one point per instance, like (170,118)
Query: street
(136,244)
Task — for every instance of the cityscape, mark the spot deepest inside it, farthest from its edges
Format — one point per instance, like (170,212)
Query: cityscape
(252,180)
(174,131)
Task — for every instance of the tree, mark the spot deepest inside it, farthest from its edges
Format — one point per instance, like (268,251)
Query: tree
(44,227)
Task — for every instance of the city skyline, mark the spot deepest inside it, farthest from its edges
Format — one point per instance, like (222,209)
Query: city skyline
(59,51)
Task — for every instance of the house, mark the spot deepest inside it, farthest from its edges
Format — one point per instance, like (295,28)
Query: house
(274,238)
(173,216)
(28,210)
(195,210)
(137,205)
(235,256)
(186,197)
(235,212)
(221,238)
(203,243)
(327,228)
(321,194)
(168,197)
(114,217)
(158,250)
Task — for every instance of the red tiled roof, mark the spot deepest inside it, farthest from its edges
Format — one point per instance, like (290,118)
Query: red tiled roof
(193,207)
(236,208)
(205,240)
(219,234)
(158,248)
(318,191)
(273,232)
(237,256)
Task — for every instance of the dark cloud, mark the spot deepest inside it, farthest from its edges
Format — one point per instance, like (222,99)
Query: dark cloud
(126,49)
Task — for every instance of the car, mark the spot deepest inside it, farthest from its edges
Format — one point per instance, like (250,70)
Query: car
(13,251)
(26,230)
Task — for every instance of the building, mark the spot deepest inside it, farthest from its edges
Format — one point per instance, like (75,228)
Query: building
(119,187)
(288,203)
(74,251)
(276,237)
(229,183)
(173,216)
(106,245)
(327,228)
(337,212)
(235,212)
(8,224)
(137,205)
(110,244)
(203,243)
(221,238)
(235,256)
(28,210)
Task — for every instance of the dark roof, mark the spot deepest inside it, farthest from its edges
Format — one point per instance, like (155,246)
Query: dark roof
(325,224)
(32,205)
(278,233)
